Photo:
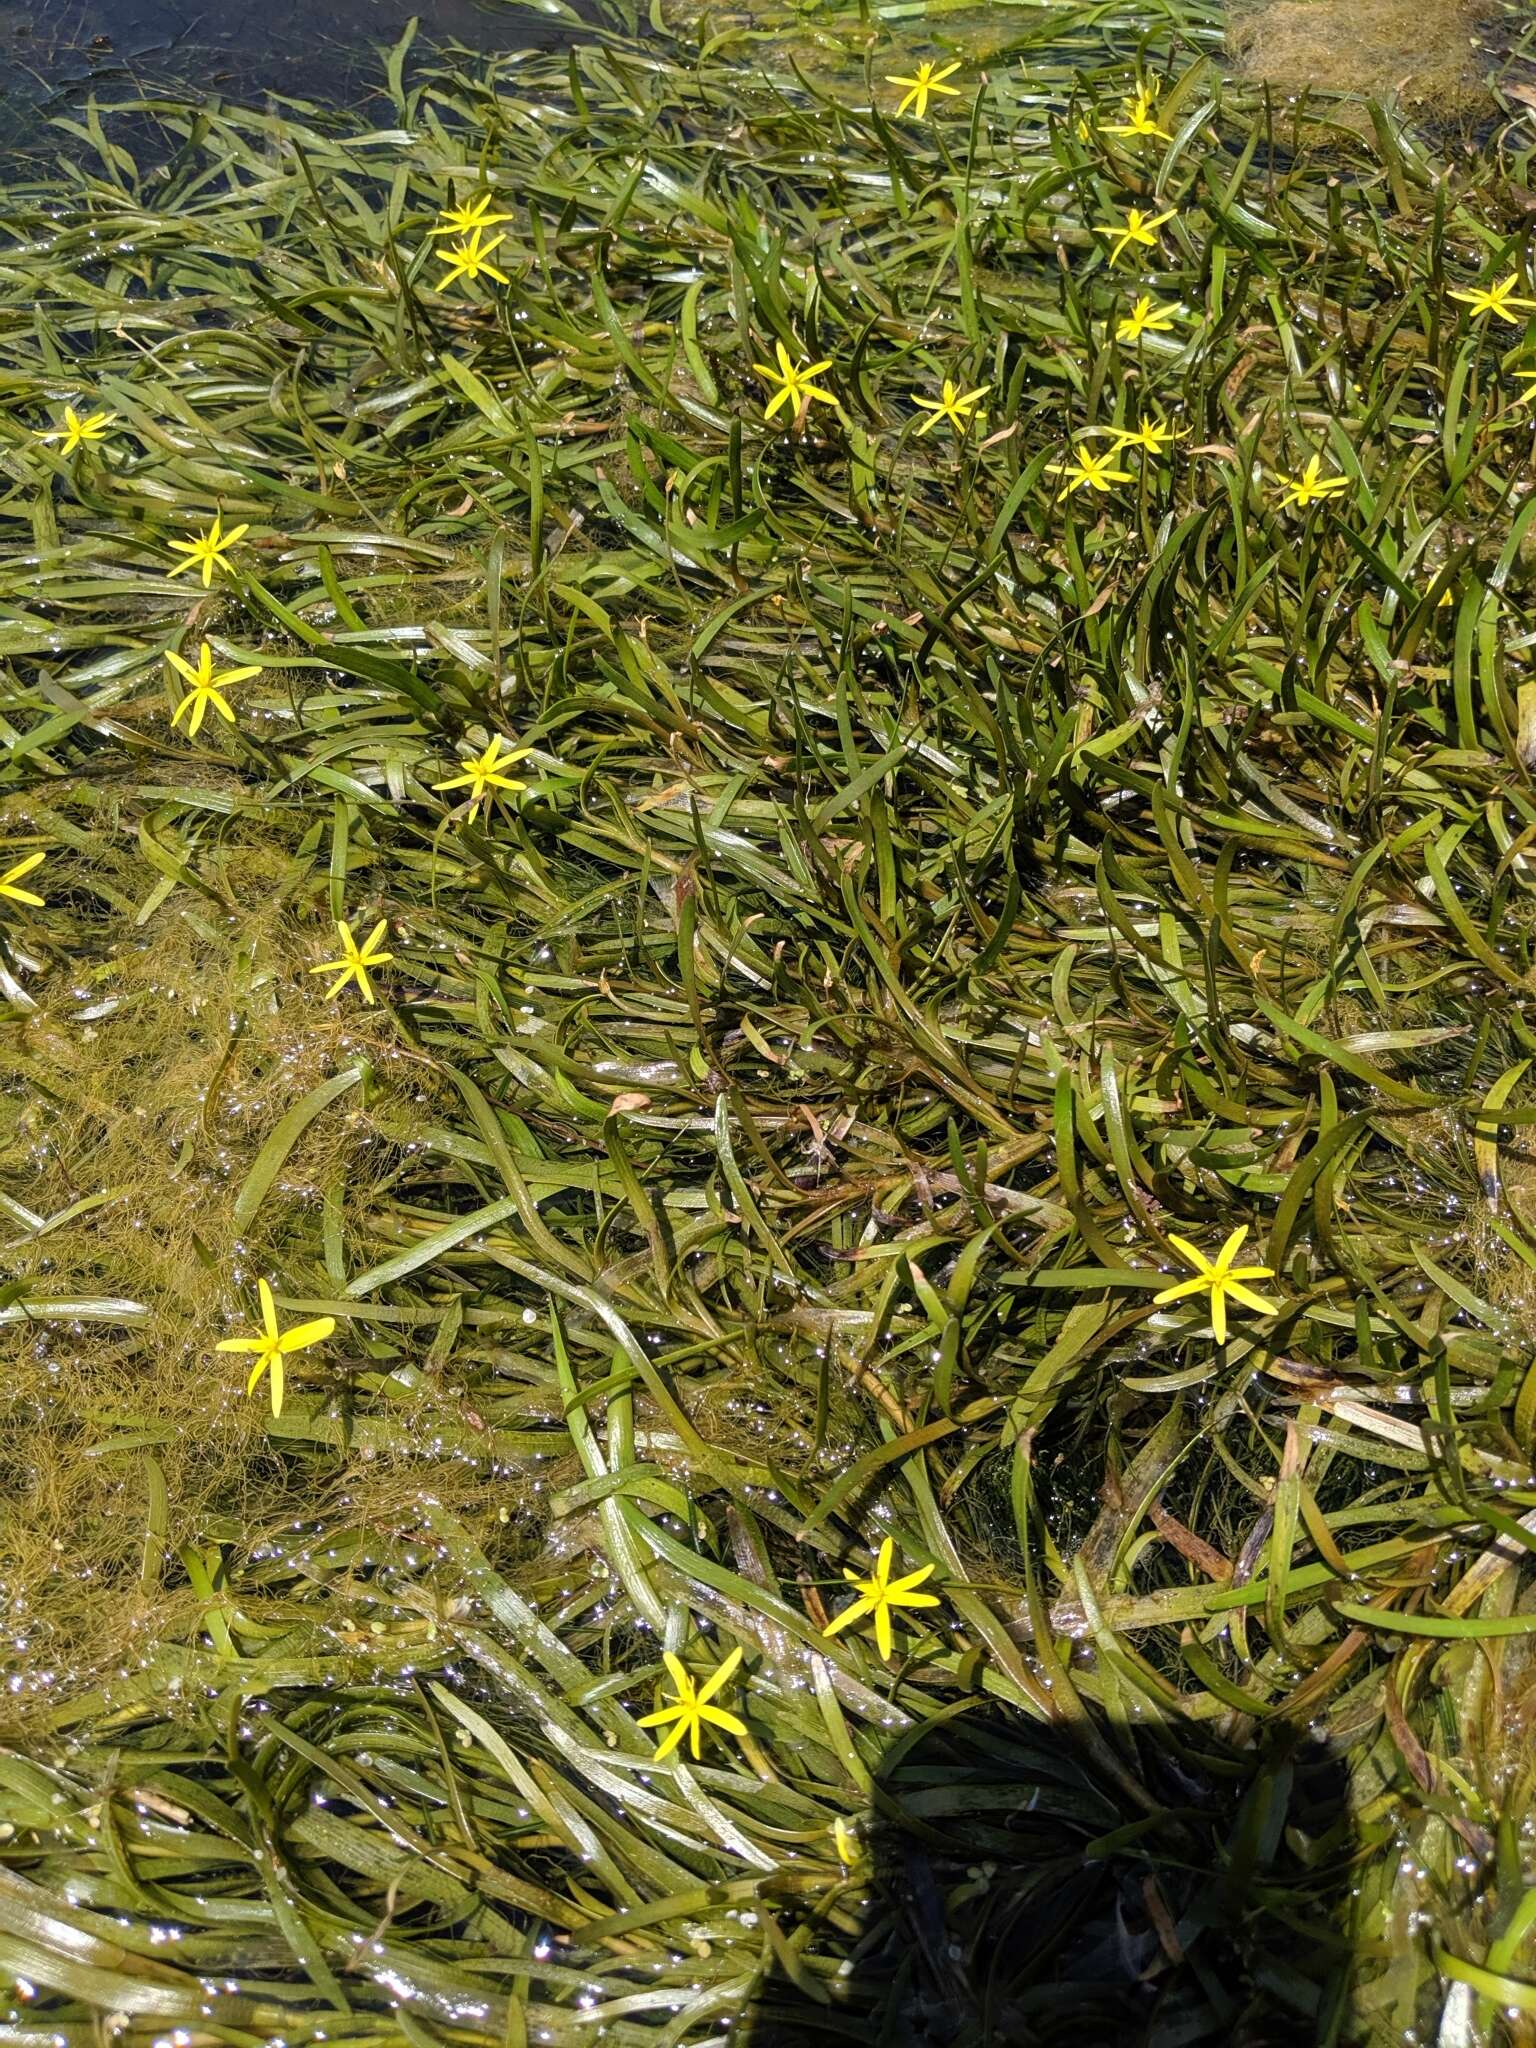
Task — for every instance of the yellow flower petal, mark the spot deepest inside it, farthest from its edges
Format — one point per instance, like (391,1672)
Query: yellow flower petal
(1192,1252)
(10,879)
(719,1718)
(900,1588)
(855,1612)
(668,1743)
(720,1676)
(304,1334)
(1195,1286)
(1229,1250)
(1251,1300)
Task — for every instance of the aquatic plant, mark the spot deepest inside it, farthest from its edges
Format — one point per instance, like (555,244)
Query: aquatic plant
(208,550)
(880,1595)
(78,430)
(941,892)
(1218,1278)
(924,84)
(206,687)
(356,961)
(691,1708)
(273,1347)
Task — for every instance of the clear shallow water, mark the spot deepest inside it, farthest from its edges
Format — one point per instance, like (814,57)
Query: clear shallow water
(53,53)
(1434,57)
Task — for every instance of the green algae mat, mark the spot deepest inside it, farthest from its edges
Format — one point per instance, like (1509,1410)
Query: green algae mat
(767,1182)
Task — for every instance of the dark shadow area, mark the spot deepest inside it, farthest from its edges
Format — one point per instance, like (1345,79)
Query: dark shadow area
(1030,1885)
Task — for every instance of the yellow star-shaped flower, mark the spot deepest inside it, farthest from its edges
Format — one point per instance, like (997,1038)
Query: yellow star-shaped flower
(272,1346)
(1138,117)
(469,216)
(12,876)
(1312,484)
(1219,1278)
(1528,379)
(1137,228)
(1498,299)
(203,693)
(1145,318)
(924,85)
(794,381)
(356,960)
(1152,434)
(1087,471)
(471,259)
(879,1594)
(91,426)
(955,405)
(210,550)
(483,777)
(692,1708)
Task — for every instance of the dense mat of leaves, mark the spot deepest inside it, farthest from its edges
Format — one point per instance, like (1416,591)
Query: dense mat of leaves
(969,865)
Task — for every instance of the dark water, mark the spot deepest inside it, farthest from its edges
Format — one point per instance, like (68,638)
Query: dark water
(54,53)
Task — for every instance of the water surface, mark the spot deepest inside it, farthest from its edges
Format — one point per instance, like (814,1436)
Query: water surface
(54,53)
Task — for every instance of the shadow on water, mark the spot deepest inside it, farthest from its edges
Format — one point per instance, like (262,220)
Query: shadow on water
(1025,1885)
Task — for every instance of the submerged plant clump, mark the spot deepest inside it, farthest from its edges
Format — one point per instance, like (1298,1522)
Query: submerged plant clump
(754,1499)
(1425,52)
(180,1106)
